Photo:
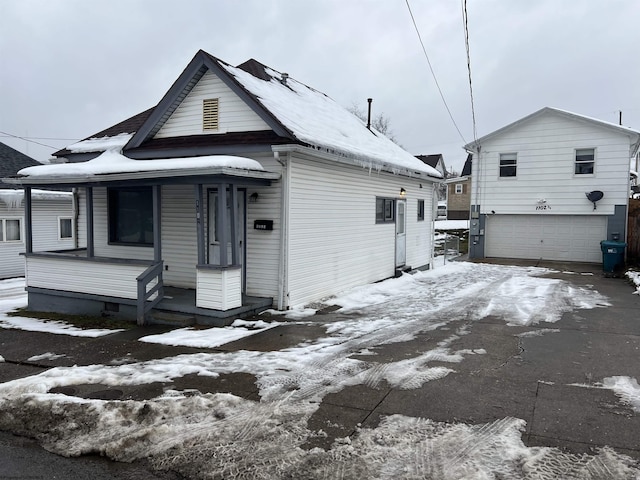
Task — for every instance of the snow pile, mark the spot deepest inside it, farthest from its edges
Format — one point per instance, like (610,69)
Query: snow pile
(316,119)
(635,278)
(45,356)
(111,162)
(451,225)
(626,388)
(210,337)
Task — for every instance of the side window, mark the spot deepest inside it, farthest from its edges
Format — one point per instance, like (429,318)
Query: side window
(385,210)
(420,210)
(10,230)
(459,188)
(65,228)
(585,161)
(508,164)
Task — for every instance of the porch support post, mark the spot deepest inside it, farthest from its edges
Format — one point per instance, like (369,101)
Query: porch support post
(28,219)
(235,251)
(89,208)
(222,220)
(157,223)
(200,225)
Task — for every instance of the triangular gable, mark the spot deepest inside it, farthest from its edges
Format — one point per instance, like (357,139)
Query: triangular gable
(632,134)
(188,79)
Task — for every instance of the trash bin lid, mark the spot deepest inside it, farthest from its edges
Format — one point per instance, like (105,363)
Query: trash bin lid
(612,243)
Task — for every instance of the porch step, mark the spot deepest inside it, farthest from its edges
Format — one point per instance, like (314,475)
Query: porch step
(159,317)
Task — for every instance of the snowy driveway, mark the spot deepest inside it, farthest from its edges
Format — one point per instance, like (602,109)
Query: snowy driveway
(225,436)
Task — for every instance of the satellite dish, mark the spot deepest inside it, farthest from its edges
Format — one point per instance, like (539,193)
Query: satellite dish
(594,197)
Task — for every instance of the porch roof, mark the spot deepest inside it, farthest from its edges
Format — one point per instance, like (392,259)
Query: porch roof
(112,166)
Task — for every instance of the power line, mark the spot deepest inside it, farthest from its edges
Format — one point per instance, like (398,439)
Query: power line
(466,44)
(424,50)
(26,139)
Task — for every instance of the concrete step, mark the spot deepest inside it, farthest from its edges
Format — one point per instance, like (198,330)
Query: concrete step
(160,317)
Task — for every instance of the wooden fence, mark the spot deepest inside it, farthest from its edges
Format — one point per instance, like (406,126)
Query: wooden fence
(633,232)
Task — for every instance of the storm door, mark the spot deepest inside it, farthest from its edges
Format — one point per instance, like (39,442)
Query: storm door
(401,234)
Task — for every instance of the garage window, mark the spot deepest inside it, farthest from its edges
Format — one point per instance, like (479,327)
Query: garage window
(585,161)
(508,164)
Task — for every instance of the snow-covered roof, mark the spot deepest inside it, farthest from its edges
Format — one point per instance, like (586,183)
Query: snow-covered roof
(111,162)
(13,198)
(101,144)
(314,118)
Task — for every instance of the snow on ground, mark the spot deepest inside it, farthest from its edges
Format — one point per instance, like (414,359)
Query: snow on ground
(626,388)
(13,296)
(224,436)
(635,278)
(451,224)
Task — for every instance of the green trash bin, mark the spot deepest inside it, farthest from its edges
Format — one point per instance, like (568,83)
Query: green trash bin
(612,255)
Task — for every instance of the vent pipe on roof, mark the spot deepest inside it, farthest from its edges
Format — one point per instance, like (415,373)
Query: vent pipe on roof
(283,78)
(369,100)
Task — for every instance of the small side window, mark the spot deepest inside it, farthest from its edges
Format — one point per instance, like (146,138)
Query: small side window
(459,188)
(420,210)
(10,230)
(585,161)
(65,228)
(385,210)
(508,164)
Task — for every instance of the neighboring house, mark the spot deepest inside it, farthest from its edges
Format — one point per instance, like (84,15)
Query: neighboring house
(536,184)
(459,193)
(436,161)
(241,190)
(52,212)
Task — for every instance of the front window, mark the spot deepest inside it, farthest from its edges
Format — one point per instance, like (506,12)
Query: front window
(385,210)
(131,215)
(585,161)
(10,230)
(508,164)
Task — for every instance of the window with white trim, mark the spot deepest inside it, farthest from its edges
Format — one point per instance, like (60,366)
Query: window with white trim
(585,161)
(508,164)
(65,228)
(10,229)
(459,188)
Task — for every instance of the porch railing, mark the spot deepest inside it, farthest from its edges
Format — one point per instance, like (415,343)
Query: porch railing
(146,299)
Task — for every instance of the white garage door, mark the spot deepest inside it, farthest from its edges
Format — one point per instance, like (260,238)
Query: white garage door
(548,237)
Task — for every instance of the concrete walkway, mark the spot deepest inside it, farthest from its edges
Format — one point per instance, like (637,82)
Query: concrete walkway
(550,380)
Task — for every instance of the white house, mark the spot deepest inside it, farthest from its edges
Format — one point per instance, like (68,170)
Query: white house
(550,186)
(52,211)
(314,202)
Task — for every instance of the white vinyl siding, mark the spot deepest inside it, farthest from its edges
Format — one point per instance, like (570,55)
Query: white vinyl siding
(335,242)
(233,114)
(546,148)
(45,233)
(117,280)
(219,289)
(548,237)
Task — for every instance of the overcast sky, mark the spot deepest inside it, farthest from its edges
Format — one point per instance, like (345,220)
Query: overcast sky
(70,68)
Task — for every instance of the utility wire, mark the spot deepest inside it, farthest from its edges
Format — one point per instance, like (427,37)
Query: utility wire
(424,50)
(26,139)
(466,44)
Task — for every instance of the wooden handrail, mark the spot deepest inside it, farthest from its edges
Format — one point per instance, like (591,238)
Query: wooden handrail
(144,302)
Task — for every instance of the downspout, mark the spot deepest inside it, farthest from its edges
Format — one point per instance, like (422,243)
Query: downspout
(434,213)
(284,239)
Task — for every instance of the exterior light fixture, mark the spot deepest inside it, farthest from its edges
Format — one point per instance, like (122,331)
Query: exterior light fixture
(253,198)
(403,192)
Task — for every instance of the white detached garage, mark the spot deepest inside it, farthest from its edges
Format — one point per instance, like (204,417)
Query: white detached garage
(533,183)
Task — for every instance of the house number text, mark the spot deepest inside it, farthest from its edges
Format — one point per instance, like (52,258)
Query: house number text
(543,207)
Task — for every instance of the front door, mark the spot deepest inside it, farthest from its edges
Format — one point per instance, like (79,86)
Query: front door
(401,234)
(214,227)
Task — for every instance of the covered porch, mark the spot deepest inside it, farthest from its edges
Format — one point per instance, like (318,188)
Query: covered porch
(126,278)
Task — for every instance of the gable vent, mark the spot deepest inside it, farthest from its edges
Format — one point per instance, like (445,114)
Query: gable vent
(210,114)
